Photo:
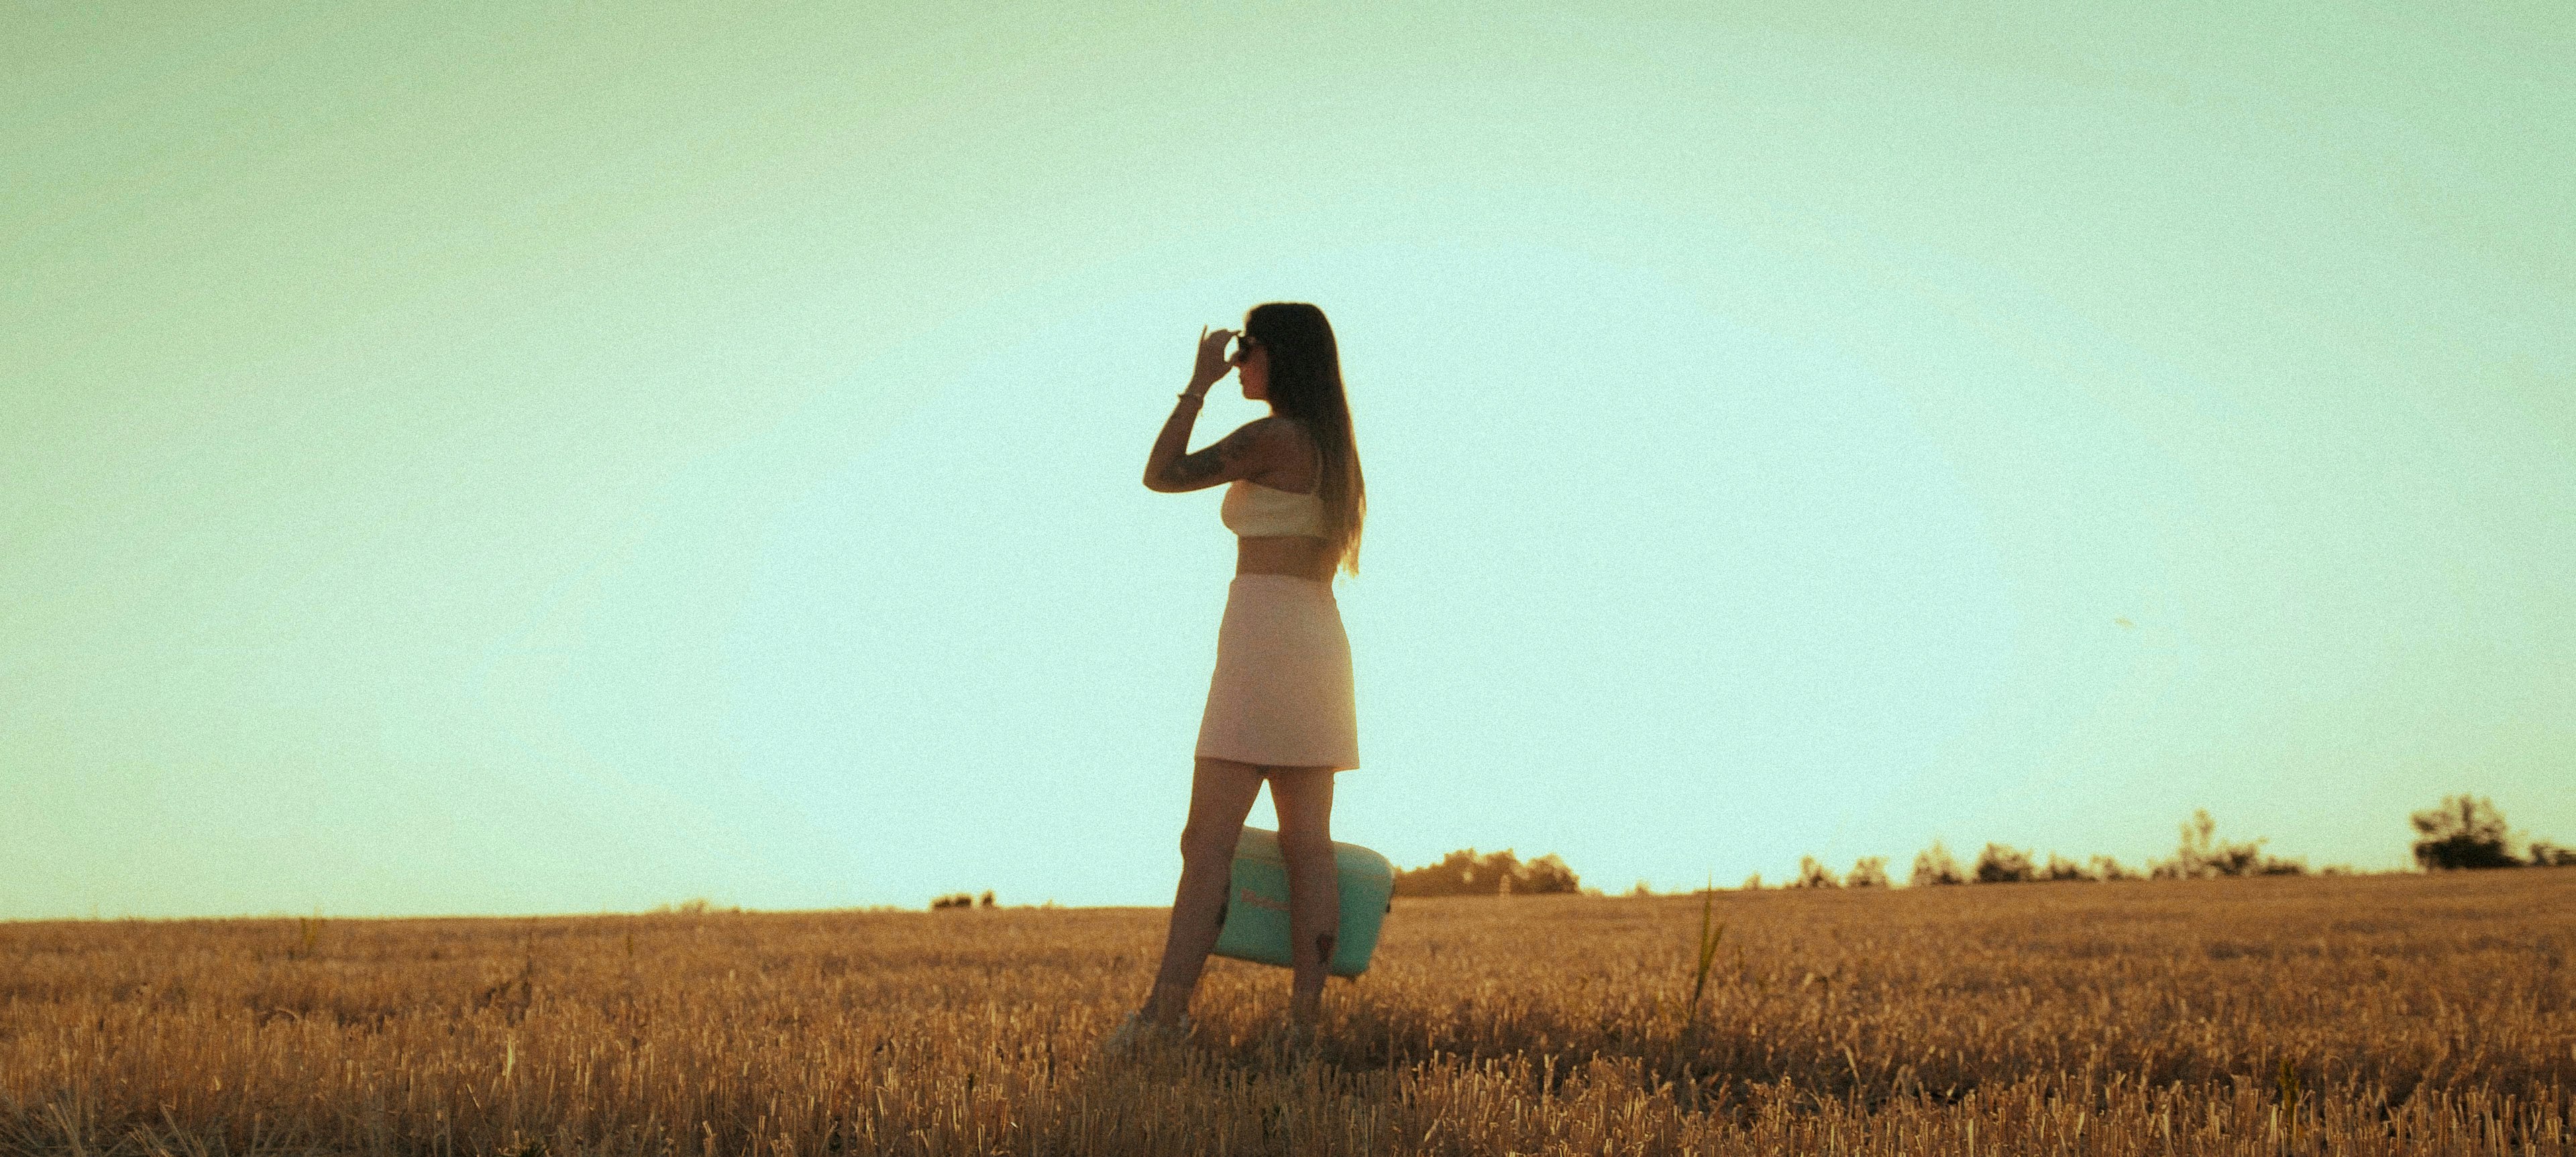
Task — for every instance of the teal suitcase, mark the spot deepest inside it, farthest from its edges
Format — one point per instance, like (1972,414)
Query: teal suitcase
(1256,904)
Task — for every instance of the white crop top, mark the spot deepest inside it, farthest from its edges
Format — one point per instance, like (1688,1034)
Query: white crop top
(1252,510)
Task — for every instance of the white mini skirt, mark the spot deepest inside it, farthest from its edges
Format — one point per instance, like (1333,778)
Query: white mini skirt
(1281,695)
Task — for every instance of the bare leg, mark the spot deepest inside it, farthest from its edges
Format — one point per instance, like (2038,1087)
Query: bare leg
(1221,794)
(1304,797)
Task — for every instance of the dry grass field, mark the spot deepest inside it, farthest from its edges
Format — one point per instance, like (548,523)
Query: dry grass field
(2297,1015)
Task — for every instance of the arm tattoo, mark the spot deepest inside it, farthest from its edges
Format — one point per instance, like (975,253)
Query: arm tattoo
(1205,464)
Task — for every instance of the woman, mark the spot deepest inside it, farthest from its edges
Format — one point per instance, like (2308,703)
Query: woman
(1279,706)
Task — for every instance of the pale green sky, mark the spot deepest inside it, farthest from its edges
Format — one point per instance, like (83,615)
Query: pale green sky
(511,460)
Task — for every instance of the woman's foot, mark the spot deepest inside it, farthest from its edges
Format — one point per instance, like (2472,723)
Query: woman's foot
(1295,1044)
(1136,1033)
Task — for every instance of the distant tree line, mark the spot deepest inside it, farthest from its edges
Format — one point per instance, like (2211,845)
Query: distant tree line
(2200,855)
(693,906)
(2464,832)
(963,900)
(2468,832)
(1464,873)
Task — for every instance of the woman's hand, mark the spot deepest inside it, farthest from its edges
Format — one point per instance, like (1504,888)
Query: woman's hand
(1212,364)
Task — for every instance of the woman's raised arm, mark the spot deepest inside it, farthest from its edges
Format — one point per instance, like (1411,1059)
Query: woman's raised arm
(1237,455)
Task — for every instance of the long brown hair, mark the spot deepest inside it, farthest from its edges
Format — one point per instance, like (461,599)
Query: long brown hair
(1306,384)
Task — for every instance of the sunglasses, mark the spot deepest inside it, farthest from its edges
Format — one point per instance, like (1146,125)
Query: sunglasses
(1243,344)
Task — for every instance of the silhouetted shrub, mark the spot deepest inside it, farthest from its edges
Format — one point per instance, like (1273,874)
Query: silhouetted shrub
(1933,865)
(2002,865)
(2548,855)
(1464,873)
(2060,868)
(1813,874)
(2464,832)
(2202,855)
(1547,875)
(1867,872)
(1460,873)
(953,900)
(2106,868)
